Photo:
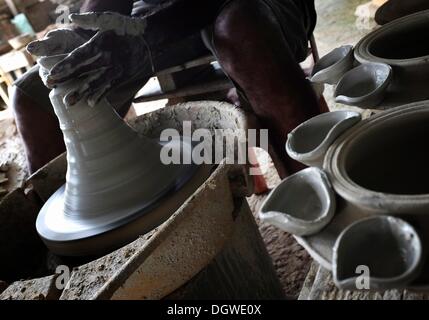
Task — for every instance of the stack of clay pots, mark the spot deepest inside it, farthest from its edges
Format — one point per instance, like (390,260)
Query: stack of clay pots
(364,200)
(387,67)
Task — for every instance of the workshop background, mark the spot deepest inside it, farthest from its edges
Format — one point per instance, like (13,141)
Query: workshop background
(339,22)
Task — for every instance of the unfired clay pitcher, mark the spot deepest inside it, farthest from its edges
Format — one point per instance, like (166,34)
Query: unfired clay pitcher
(302,204)
(330,68)
(387,249)
(115,177)
(309,142)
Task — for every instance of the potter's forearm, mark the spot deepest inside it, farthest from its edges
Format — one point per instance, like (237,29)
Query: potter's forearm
(123,6)
(119,45)
(178,20)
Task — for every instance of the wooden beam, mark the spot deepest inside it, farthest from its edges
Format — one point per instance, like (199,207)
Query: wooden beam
(194,63)
(12,7)
(217,85)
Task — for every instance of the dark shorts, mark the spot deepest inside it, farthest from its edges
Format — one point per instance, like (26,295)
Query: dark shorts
(297,19)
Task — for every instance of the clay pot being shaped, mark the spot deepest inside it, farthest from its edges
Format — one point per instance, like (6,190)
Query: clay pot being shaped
(115,179)
(330,68)
(309,142)
(401,44)
(364,86)
(302,204)
(381,164)
(389,249)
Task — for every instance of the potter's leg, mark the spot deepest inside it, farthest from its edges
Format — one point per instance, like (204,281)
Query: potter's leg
(38,128)
(180,20)
(256,53)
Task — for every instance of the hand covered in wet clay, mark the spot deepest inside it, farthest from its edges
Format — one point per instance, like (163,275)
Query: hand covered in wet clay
(57,42)
(116,53)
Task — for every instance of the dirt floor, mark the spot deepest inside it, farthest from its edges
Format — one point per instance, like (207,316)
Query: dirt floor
(11,154)
(336,26)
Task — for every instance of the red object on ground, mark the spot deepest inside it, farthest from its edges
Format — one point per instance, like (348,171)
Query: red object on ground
(259,183)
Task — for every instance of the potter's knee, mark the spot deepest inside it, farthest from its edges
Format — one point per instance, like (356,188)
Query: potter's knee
(21,103)
(238,16)
(29,95)
(239,21)
(17,99)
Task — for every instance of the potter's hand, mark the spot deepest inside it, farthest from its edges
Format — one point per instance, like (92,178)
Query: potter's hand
(57,42)
(116,53)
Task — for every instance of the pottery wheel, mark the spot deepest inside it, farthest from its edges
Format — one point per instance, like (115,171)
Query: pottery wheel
(77,236)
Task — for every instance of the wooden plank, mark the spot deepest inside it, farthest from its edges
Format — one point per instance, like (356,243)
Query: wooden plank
(217,85)
(166,82)
(320,286)
(12,7)
(3,94)
(5,78)
(309,282)
(15,60)
(18,73)
(194,63)
(325,289)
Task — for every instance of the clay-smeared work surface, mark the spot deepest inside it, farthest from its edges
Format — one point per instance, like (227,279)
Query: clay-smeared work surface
(157,263)
(319,285)
(35,289)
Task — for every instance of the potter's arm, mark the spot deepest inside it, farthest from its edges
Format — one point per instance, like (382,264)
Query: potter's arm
(62,41)
(123,6)
(66,39)
(181,19)
(177,20)
(123,47)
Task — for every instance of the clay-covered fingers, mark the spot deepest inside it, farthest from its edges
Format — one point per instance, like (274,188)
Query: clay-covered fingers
(110,21)
(99,61)
(94,86)
(44,73)
(56,42)
(88,57)
(45,64)
(98,20)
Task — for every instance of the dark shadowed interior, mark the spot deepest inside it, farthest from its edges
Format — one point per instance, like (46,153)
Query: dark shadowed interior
(308,137)
(387,255)
(393,157)
(406,43)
